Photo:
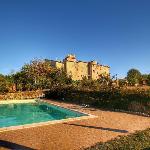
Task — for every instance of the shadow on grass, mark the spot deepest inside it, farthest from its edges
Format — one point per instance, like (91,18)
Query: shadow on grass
(101,128)
(13,146)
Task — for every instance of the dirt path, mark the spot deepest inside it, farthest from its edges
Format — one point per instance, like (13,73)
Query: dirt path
(75,134)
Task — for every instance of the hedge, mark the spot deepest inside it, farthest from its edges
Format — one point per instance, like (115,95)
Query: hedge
(111,99)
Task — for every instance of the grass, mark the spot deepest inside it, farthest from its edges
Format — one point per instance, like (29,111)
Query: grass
(136,141)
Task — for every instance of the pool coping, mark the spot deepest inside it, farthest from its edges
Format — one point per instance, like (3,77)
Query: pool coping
(18,101)
(11,128)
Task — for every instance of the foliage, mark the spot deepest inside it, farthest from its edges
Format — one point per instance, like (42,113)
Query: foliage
(20,80)
(111,98)
(137,141)
(134,76)
(123,82)
(148,79)
(40,75)
(37,75)
(59,78)
(89,84)
(3,84)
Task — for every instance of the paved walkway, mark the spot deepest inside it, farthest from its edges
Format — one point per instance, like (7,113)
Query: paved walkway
(75,134)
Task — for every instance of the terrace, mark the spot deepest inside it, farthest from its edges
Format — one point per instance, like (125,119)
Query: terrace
(74,134)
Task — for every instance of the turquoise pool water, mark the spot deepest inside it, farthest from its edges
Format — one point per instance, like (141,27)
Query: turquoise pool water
(27,113)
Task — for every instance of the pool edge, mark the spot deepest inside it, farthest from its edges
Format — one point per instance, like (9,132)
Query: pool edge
(17,101)
(11,128)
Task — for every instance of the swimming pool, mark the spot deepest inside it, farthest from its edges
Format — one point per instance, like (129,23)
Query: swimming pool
(15,114)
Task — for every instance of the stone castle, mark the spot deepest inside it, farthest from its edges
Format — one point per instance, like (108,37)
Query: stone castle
(79,69)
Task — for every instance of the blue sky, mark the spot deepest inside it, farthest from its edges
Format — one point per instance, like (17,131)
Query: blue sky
(114,32)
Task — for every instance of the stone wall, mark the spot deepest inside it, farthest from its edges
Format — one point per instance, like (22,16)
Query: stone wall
(22,95)
(79,69)
(98,70)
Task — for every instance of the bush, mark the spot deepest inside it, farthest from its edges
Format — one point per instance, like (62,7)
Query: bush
(109,98)
(137,141)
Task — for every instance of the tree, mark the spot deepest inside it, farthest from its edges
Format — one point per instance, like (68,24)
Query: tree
(133,76)
(105,80)
(59,77)
(41,75)
(22,82)
(3,84)
(37,73)
(148,79)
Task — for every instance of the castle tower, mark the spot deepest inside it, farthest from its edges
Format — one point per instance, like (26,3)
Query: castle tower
(70,57)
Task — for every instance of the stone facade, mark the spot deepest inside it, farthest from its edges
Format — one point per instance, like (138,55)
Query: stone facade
(79,69)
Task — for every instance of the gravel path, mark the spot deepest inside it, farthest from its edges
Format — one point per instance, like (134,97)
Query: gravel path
(75,134)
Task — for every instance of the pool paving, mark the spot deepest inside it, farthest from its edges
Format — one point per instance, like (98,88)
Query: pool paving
(74,135)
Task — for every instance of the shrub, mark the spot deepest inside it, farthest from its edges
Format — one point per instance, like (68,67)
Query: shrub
(109,98)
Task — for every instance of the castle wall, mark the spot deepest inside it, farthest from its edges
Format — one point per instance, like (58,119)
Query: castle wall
(98,70)
(82,70)
(77,70)
(59,65)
